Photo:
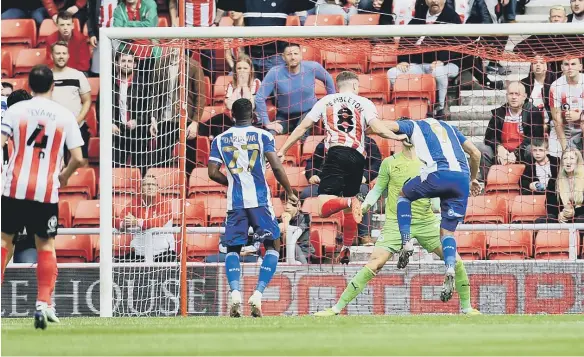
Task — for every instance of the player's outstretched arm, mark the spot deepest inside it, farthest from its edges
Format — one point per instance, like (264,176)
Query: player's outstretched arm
(280,175)
(380,186)
(386,130)
(475,160)
(296,135)
(215,174)
(75,162)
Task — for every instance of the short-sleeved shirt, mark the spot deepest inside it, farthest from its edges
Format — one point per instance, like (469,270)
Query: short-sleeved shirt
(346,117)
(242,149)
(40,128)
(70,84)
(568,97)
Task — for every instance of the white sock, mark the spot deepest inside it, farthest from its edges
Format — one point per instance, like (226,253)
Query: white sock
(335,310)
(41,305)
(236,294)
(257,293)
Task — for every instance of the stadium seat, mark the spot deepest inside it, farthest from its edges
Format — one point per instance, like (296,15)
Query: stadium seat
(311,54)
(528,208)
(64,214)
(414,109)
(374,87)
(327,232)
(381,63)
(126,180)
(364,19)
(86,214)
(74,248)
(316,242)
(21,31)
(210,112)
(169,180)
(162,21)
(48,27)
(220,88)
(386,112)
(550,244)
(18,83)
(203,149)
(93,151)
(7,65)
(414,86)
(201,245)
(217,209)
(73,200)
(319,89)
(486,209)
(471,245)
(194,211)
(94,83)
(504,178)
(278,205)
(353,60)
(293,154)
(119,202)
(120,245)
(383,144)
(309,147)
(509,245)
(91,120)
(324,20)
(296,177)
(28,58)
(199,182)
(310,206)
(292,20)
(82,181)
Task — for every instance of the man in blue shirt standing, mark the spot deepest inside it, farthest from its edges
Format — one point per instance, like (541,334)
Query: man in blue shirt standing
(294,89)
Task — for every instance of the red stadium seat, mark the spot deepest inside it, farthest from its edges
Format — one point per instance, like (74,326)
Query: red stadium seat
(414,109)
(201,245)
(316,242)
(309,147)
(353,60)
(217,209)
(528,208)
(324,20)
(91,120)
(87,214)
(169,180)
(296,177)
(199,182)
(364,19)
(486,209)
(7,65)
(292,20)
(18,83)
(120,247)
(210,112)
(509,245)
(374,87)
(74,248)
(293,154)
(73,200)
(94,83)
(203,149)
(64,214)
(82,181)
(28,58)
(126,180)
(311,54)
(93,151)
(21,31)
(310,206)
(471,245)
(381,63)
(220,88)
(504,177)
(194,211)
(278,205)
(414,86)
(119,202)
(383,144)
(327,232)
(551,244)
(162,21)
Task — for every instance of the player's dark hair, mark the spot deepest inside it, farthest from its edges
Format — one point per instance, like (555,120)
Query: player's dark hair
(284,197)
(291,44)
(539,142)
(17,96)
(347,76)
(242,110)
(40,79)
(64,15)
(7,85)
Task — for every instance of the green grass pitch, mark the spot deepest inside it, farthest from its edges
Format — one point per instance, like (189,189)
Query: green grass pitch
(307,335)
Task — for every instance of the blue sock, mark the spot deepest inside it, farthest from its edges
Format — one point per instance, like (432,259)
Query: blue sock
(449,250)
(404,218)
(267,269)
(232,270)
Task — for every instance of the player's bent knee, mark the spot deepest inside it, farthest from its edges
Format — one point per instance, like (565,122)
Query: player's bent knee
(234,249)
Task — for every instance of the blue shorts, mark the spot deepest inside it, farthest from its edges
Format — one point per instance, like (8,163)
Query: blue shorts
(450,186)
(261,219)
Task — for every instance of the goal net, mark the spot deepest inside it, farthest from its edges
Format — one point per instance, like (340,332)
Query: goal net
(501,87)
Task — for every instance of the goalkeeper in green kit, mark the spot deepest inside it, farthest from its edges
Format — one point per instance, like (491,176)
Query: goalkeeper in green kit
(395,171)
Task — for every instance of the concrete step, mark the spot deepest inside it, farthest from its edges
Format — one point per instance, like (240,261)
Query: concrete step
(542,7)
(471,112)
(482,97)
(532,18)
(472,128)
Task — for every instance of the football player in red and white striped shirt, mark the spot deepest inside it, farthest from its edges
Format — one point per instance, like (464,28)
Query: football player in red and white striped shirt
(346,118)
(39,128)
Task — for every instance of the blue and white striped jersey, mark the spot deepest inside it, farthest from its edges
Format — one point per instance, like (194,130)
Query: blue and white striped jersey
(242,149)
(438,145)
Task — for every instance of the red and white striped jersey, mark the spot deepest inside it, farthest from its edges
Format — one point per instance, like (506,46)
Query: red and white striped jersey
(39,128)
(199,13)
(346,117)
(106,13)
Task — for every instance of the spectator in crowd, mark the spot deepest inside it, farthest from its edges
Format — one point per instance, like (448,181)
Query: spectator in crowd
(132,116)
(198,13)
(511,129)
(265,13)
(293,86)
(565,204)
(164,126)
(577,7)
(567,107)
(509,10)
(295,226)
(139,13)
(76,8)
(146,211)
(231,53)
(557,14)
(72,90)
(314,167)
(441,64)
(7,89)
(244,85)
(541,170)
(99,14)
(76,42)
(27,9)
(345,8)
(538,85)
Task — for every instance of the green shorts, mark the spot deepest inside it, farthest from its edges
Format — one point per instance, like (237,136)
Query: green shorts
(426,232)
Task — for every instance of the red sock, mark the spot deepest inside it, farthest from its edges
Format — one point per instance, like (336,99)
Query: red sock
(349,230)
(46,275)
(4,255)
(334,205)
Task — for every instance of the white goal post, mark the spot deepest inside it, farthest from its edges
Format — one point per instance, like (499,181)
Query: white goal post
(109,35)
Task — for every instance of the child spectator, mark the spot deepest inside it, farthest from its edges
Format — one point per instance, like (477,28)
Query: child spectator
(295,228)
(541,171)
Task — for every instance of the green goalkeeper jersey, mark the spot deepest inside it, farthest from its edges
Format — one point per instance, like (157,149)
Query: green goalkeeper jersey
(394,172)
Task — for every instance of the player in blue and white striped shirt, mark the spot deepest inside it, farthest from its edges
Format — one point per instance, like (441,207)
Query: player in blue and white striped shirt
(445,174)
(244,149)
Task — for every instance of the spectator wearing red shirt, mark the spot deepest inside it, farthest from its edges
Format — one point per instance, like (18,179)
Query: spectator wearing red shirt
(76,8)
(76,42)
